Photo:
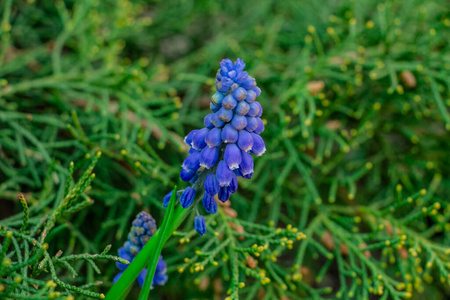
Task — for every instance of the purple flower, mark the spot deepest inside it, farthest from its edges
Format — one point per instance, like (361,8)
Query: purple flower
(260,128)
(240,94)
(209,203)
(217,98)
(223,174)
(254,109)
(216,121)
(245,140)
(249,83)
(229,102)
(260,109)
(229,134)
(187,175)
(187,198)
(189,137)
(251,96)
(224,194)
(258,145)
(211,185)
(239,65)
(252,124)
(199,225)
(234,184)
(198,141)
(257,90)
(213,138)
(232,156)
(143,228)
(213,107)
(242,108)
(207,121)
(246,166)
(192,162)
(238,122)
(225,114)
(209,157)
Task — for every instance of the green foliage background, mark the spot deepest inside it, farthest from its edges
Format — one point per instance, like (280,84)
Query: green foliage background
(360,165)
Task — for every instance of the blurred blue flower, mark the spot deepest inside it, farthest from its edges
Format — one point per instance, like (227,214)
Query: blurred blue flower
(143,228)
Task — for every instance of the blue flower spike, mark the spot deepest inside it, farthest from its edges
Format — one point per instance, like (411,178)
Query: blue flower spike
(222,150)
(143,228)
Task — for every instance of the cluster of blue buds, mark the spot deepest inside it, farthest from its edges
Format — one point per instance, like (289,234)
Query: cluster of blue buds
(221,151)
(144,226)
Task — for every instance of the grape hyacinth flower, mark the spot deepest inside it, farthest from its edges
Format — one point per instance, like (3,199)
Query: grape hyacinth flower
(221,151)
(143,228)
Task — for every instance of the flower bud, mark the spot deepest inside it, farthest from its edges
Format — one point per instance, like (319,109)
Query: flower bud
(198,142)
(260,109)
(260,127)
(187,175)
(249,83)
(209,157)
(187,198)
(251,96)
(229,134)
(213,138)
(232,74)
(240,93)
(207,121)
(258,145)
(223,174)
(252,124)
(211,185)
(200,225)
(241,77)
(217,98)
(246,165)
(224,84)
(239,65)
(257,91)
(225,114)
(242,108)
(232,156)
(213,107)
(254,109)
(226,65)
(192,162)
(238,122)
(216,121)
(189,137)
(234,184)
(245,140)
(224,194)
(209,203)
(229,102)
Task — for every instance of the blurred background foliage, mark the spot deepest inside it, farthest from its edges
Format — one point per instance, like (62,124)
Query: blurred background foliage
(356,97)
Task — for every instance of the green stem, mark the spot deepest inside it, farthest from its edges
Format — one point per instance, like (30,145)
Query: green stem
(154,259)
